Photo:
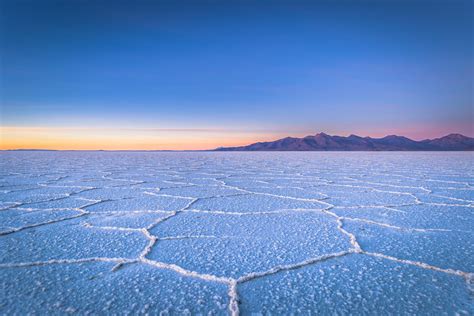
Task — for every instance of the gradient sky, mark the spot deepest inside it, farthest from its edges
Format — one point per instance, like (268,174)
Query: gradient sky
(201,74)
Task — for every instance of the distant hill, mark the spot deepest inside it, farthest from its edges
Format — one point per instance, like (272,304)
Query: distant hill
(324,142)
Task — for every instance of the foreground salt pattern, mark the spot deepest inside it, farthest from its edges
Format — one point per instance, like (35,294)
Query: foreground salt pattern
(220,233)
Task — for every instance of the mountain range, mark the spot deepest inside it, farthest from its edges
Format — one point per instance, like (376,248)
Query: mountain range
(325,142)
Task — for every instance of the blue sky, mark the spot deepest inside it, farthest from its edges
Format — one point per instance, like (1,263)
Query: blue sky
(259,68)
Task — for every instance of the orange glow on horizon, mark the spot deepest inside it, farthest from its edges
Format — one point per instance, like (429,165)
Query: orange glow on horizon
(111,138)
(64,138)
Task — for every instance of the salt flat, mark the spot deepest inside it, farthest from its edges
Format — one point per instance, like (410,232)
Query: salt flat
(228,233)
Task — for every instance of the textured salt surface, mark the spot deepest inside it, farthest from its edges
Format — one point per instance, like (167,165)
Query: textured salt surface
(230,233)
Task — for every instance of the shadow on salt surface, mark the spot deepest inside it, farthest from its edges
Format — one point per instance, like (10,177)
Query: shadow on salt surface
(356,285)
(90,288)
(440,249)
(145,203)
(67,241)
(232,245)
(254,203)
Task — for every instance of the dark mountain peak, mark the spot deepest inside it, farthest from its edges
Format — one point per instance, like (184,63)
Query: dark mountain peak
(455,136)
(324,142)
(452,142)
(393,137)
(321,134)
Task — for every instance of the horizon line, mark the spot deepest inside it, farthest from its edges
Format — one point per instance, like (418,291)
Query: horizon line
(219,147)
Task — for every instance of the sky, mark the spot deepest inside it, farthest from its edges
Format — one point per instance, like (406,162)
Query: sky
(198,74)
